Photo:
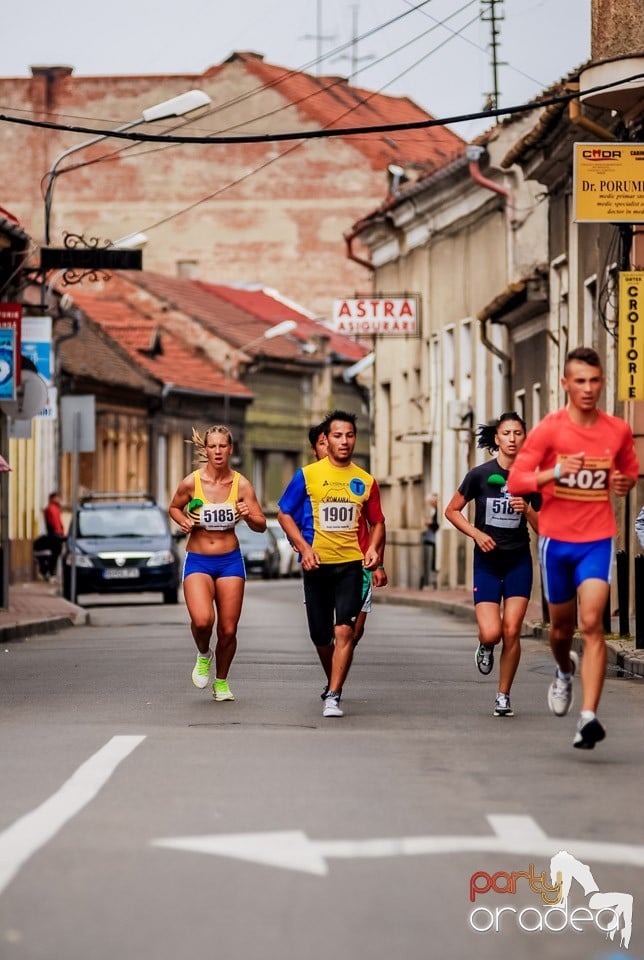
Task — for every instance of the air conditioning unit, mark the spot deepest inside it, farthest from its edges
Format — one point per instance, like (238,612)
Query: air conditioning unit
(459,415)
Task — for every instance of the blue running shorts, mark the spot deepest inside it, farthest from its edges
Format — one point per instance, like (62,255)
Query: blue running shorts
(215,565)
(501,574)
(564,566)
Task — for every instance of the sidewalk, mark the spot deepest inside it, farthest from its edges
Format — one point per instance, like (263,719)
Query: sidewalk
(623,658)
(36,608)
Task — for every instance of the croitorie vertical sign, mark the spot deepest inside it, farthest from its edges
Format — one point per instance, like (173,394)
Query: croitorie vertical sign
(630,342)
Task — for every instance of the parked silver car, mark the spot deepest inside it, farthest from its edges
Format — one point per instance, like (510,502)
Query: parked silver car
(259,551)
(289,567)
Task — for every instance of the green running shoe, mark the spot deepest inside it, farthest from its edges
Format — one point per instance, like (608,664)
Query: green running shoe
(221,690)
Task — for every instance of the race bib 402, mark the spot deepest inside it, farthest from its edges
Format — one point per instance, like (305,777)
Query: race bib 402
(590,483)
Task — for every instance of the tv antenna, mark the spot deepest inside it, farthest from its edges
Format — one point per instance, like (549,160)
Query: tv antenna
(318,36)
(492,98)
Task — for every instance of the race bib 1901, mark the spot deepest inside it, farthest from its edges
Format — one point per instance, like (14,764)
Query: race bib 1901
(337,516)
(589,484)
(218,516)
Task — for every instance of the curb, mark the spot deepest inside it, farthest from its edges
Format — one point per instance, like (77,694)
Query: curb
(622,658)
(20,631)
(17,632)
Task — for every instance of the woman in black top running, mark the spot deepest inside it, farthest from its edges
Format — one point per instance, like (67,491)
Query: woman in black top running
(502,559)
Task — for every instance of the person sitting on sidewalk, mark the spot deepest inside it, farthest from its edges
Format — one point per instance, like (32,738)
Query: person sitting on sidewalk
(502,559)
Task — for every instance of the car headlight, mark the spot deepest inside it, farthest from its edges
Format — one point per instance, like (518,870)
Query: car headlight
(160,558)
(82,560)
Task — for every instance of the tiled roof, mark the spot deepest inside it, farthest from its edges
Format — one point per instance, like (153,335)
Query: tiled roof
(91,354)
(331,102)
(154,350)
(241,316)
(270,309)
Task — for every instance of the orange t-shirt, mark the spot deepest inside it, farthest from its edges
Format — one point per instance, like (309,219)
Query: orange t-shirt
(575,509)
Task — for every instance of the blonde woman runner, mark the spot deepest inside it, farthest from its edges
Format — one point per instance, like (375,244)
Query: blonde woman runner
(207,505)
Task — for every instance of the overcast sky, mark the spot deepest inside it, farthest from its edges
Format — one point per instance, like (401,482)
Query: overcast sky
(446,69)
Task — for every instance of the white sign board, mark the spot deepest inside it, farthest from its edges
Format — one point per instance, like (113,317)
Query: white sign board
(382,316)
(78,433)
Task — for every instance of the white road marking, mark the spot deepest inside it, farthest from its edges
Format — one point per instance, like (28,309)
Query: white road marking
(292,849)
(24,837)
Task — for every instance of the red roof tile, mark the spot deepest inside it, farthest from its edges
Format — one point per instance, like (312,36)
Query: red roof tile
(241,316)
(331,102)
(153,349)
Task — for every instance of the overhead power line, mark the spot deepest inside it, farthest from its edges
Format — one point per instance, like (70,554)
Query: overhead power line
(321,133)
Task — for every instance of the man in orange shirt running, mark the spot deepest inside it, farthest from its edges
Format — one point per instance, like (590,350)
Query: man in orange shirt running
(575,458)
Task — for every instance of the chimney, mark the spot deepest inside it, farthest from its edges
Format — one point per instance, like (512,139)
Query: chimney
(188,269)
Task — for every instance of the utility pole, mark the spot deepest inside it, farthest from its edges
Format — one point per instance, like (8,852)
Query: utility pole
(492,98)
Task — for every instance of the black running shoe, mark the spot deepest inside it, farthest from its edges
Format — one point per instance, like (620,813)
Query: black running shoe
(588,734)
(484,659)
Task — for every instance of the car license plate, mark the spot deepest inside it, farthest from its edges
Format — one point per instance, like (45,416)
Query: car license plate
(121,573)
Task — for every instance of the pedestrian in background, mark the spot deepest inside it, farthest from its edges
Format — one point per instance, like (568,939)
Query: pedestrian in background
(639,527)
(55,535)
(502,558)
(577,456)
(428,540)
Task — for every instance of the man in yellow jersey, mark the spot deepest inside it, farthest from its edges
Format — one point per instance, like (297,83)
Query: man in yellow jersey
(320,513)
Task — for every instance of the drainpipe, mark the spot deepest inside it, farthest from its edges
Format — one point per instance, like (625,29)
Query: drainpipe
(349,238)
(473,153)
(578,119)
(506,360)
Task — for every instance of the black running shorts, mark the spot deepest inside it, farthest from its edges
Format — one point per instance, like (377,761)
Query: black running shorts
(333,595)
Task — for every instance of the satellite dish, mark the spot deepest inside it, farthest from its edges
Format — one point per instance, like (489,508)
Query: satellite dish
(32,397)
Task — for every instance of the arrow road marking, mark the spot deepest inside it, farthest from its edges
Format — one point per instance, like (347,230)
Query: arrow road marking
(293,850)
(24,837)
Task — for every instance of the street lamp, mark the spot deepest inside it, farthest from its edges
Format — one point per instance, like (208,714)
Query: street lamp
(278,330)
(175,107)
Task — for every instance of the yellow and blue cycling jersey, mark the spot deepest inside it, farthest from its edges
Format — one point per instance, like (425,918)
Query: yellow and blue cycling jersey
(327,503)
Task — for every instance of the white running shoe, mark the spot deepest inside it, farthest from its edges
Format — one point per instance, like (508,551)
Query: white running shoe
(560,695)
(502,706)
(201,672)
(332,706)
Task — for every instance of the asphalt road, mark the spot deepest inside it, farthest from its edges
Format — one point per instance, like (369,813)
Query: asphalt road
(139,819)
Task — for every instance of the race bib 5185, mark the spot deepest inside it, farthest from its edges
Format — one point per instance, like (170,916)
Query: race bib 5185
(219,516)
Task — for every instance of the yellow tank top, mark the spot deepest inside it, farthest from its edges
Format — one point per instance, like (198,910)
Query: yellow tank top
(218,516)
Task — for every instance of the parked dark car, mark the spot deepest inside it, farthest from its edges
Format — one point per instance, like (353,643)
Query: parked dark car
(259,550)
(123,543)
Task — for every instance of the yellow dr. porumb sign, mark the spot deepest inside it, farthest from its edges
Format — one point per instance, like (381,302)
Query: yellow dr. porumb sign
(630,339)
(608,182)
